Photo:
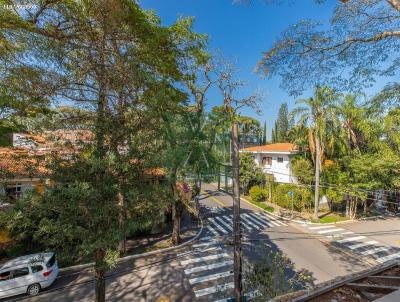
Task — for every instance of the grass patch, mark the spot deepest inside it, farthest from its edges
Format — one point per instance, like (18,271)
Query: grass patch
(332,218)
(261,205)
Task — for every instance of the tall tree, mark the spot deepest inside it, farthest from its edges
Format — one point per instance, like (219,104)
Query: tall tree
(318,112)
(264,137)
(361,43)
(112,57)
(282,124)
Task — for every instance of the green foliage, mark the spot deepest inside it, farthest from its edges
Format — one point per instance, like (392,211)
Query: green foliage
(349,55)
(273,275)
(302,198)
(283,125)
(258,193)
(249,173)
(302,169)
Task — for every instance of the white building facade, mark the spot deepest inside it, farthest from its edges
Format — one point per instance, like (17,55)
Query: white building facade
(274,159)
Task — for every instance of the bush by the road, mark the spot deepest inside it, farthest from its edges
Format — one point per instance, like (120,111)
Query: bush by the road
(258,194)
(301,199)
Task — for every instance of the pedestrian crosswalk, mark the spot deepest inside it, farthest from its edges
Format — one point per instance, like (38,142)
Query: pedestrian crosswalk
(222,224)
(209,269)
(208,266)
(357,243)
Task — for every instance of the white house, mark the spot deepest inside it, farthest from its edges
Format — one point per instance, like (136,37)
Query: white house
(274,159)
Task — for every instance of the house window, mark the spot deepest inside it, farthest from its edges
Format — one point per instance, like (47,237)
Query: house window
(280,159)
(14,191)
(267,161)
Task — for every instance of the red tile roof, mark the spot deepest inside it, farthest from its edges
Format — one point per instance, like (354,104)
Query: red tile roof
(278,147)
(19,162)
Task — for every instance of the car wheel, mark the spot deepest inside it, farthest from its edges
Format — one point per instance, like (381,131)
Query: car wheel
(33,289)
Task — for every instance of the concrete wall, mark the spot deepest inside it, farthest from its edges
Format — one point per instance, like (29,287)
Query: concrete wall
(280,170)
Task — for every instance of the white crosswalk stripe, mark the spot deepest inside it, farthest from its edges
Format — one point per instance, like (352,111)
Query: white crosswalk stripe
(351,239)
(258,218)
(388,257)
(362,244)
(213,289)
(357,243)
(219,227)
(249,222)
(375,250)
(210,277)
(273,219)
(211,229)
(224,223)
(322,227)
(205,258)
(330,231)
(208,267)
(255,221)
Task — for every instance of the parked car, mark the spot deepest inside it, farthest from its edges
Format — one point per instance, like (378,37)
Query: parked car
(28,274)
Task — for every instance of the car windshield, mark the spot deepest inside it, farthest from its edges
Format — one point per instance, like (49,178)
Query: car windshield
(51,261)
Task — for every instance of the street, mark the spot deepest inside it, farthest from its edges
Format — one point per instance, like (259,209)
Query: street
(203,271)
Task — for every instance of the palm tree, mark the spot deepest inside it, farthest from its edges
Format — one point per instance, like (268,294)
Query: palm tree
(354,122)
(318,113)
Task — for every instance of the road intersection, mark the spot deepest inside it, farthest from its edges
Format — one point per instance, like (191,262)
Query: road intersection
(203,270)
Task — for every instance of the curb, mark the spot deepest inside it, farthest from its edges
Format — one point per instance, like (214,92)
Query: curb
(313,223)
(306,221)
(135,256)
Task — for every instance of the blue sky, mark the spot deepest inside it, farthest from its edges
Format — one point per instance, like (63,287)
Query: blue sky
(242,32)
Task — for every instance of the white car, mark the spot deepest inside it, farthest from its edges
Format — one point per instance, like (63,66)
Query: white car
(28,274)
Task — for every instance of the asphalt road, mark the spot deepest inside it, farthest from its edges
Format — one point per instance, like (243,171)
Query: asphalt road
(203,270)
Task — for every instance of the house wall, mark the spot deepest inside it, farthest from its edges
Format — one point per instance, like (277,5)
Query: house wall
(281,170)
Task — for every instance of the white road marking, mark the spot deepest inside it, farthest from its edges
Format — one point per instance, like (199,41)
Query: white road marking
(249,222)
(210,277)
(250,295)
(213,289)
(375,250)
(253,220)
(322,227)
(242,223)
(330,231)
(387,258)
(266,222)
(224,223)
(274,219)
(356,246)
(218,226)
(198,251)
(211,229)
(205,258)
(208,267)
(351,239)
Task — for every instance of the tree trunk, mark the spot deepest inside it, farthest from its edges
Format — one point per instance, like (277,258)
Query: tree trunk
(269,191)
(176,219)
(100,289)
(122,244)
(347,206)
(317,164)
(237,266)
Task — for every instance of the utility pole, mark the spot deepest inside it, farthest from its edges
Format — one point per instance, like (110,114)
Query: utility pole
(237,256)
(317,164)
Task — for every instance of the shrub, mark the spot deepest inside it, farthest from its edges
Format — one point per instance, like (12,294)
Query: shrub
(257,193)
(301,199)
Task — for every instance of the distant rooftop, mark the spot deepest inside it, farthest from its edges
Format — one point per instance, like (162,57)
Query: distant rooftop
(271,148)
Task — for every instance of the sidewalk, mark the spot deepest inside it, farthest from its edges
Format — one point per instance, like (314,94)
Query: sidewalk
(147,243)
